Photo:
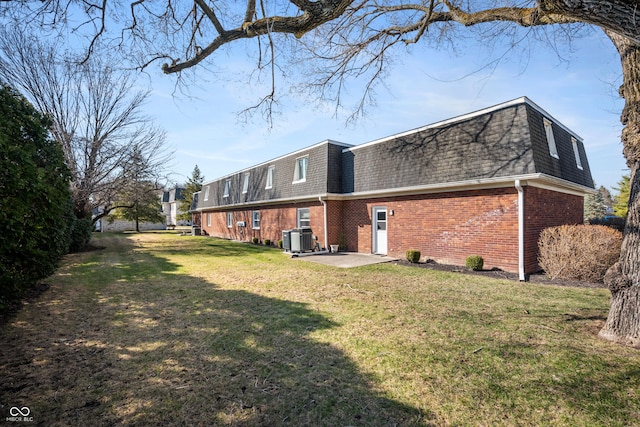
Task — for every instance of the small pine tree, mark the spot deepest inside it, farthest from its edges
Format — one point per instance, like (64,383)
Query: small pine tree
(594,206)
(140,197)
(621,200)
(194,184)
(606,196)
(143,204)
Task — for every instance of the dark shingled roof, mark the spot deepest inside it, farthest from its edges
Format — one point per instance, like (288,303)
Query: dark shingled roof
(497,143)
(501,142)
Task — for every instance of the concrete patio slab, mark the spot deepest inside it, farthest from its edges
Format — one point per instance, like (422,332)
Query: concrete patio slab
(346,259)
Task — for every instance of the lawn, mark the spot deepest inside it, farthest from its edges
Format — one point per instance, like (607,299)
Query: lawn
(168,330)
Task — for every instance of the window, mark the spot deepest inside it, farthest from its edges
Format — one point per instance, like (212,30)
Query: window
(300,173)
(208,220)
(548,129)
(229,219)
(576,152)
(255,220)
(304,218)
(270,173)
(227,188)
(381,220)
(206,193)
(245,183)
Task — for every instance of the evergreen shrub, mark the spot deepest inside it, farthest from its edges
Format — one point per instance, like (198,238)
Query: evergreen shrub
(474,262)
(413,255)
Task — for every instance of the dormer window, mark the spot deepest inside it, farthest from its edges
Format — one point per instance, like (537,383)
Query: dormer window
(227,188)
(206,193)
(245,183)
(548,129)
(576,152)
(300,173)
(270,173)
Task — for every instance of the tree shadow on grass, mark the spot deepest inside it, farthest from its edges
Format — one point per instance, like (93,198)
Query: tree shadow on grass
(142,345)
(218,247)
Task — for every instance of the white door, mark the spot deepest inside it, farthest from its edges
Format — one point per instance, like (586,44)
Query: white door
(380,230)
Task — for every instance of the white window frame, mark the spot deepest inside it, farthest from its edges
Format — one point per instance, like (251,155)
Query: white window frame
(255,220)
(227,188)
(271,172)
(208,219)
(206,193)
(551,140)
(576,152)
(299,218)
(245,183)
(229,219)
(301,168)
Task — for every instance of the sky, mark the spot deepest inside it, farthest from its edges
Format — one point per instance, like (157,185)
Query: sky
(579,88)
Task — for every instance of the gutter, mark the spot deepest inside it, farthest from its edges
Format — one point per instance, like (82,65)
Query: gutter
(521,276)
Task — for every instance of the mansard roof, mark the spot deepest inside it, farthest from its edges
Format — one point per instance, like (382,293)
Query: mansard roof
(496,144)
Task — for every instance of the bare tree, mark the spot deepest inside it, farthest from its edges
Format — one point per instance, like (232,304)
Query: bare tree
(97,118)
(356,38)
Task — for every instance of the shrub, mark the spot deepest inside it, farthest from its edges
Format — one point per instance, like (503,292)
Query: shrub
(614,222)
(280,244)
(80,234)
(579,252)
(474,262)
(255,240)
(36,214)
(413,255)
(267,242)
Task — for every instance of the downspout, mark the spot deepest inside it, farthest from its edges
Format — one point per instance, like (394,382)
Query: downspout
(326,223)
(521,274)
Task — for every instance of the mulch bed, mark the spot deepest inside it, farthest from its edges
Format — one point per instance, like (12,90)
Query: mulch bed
(500,274)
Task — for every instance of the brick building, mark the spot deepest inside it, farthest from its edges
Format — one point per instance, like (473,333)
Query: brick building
(485,183)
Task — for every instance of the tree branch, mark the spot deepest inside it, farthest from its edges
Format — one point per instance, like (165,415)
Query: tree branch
(314,14)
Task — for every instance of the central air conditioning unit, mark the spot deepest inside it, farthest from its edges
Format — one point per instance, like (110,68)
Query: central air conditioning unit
(301,240)
(286,240)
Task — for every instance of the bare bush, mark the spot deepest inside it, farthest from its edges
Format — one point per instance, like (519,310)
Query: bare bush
(579,252)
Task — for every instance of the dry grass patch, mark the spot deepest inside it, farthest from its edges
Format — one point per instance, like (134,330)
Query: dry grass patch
(158,329)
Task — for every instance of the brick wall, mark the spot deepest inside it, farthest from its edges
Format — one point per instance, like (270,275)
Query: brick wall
(334,222)
(273,219)
(546,208)
(444,227)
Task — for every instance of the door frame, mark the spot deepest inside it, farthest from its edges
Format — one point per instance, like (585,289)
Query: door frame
(375,241)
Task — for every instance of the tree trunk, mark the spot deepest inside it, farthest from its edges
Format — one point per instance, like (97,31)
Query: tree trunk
(623,279)
(137,220)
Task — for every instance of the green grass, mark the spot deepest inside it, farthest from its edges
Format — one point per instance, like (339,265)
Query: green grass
(159,329)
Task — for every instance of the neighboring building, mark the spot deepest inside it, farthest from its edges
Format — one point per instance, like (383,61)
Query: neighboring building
(171,206)
(107,223)
(486,183)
